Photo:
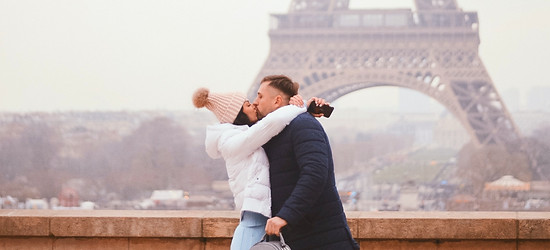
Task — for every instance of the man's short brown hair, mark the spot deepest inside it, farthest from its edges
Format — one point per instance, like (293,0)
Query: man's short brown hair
(282,83)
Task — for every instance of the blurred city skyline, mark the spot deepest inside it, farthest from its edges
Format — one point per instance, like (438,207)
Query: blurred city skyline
(145,55)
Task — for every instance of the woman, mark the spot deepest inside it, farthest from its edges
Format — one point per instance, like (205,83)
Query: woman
(246,162)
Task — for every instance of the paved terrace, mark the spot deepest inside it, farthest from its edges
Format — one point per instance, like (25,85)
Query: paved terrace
(212,230)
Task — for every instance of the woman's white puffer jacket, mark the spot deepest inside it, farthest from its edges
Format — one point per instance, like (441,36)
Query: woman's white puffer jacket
(245,159)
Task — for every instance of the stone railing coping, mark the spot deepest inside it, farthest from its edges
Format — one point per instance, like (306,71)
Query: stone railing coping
(221,224)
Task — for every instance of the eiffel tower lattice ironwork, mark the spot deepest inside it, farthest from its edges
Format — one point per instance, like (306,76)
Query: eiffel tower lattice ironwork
(332,50)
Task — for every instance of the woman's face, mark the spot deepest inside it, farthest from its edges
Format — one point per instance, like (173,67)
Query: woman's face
(250,111)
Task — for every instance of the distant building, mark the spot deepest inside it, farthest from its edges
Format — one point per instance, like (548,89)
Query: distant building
(538,99)
(529,121)
(68,198)
(449,133)
(36,204)
(411,101)
(511,99)
(169,198)
(418,128)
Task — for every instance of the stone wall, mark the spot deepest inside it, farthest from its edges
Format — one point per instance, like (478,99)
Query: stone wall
(212,230)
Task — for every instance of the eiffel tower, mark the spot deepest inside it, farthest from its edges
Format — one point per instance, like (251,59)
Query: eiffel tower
(332,50)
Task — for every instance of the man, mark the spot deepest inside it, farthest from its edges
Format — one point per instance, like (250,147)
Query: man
(306,206)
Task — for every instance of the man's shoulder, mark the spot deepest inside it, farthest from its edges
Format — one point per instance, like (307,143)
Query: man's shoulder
(304,117)
(304,120)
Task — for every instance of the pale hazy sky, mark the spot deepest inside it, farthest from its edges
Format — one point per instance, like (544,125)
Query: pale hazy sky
(60,55)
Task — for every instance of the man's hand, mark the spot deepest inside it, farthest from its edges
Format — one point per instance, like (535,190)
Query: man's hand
(274,225)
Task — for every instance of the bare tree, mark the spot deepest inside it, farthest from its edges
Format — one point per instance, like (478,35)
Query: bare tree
(478,165)
(31,151)
(538,149)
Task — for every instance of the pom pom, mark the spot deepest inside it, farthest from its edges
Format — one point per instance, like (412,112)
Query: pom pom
(200,97)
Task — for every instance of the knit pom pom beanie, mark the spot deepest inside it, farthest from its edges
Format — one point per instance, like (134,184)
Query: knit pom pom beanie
(225,106)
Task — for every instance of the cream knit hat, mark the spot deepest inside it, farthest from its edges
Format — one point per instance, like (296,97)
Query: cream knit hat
(225,106)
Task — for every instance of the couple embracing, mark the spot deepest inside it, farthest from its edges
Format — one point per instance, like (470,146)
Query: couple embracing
(280,167)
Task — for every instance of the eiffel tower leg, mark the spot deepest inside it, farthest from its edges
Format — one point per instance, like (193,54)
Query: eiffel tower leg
(453,75)
(433,51)
(482,110)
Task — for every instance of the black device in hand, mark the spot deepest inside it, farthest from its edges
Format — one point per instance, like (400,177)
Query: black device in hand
(325,109)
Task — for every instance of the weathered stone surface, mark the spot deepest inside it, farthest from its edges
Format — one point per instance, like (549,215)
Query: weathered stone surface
(396,244)
(217,244)
(166,243)
(534,245)
(121,223)
(220,224)
(23,223)
(437,225)
(24,243)
(477,244)
(439,245)
(103,229)
(533,225)
(90,244)
(353,222)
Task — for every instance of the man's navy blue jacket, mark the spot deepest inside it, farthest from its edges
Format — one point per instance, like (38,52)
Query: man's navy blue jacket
(303,190)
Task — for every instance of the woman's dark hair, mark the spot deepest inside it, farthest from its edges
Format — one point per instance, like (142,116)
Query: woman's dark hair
(242,119)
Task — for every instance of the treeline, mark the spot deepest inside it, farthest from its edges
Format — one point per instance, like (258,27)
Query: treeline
(159,154)
(38,158)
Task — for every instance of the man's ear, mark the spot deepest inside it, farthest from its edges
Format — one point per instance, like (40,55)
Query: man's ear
(278,100)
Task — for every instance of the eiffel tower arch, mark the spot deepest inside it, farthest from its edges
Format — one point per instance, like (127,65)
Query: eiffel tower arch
(332,50)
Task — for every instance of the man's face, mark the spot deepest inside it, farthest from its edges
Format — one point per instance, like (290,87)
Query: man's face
(267,101)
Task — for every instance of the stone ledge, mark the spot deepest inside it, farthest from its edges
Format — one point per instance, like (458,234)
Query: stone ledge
(438,225)
(388,226)
(532,225)
(127,224)
(24,223)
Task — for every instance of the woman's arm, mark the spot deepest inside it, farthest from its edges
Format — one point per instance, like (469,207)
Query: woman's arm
(247,141)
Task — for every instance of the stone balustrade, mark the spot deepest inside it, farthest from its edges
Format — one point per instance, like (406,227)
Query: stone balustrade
(212,230)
